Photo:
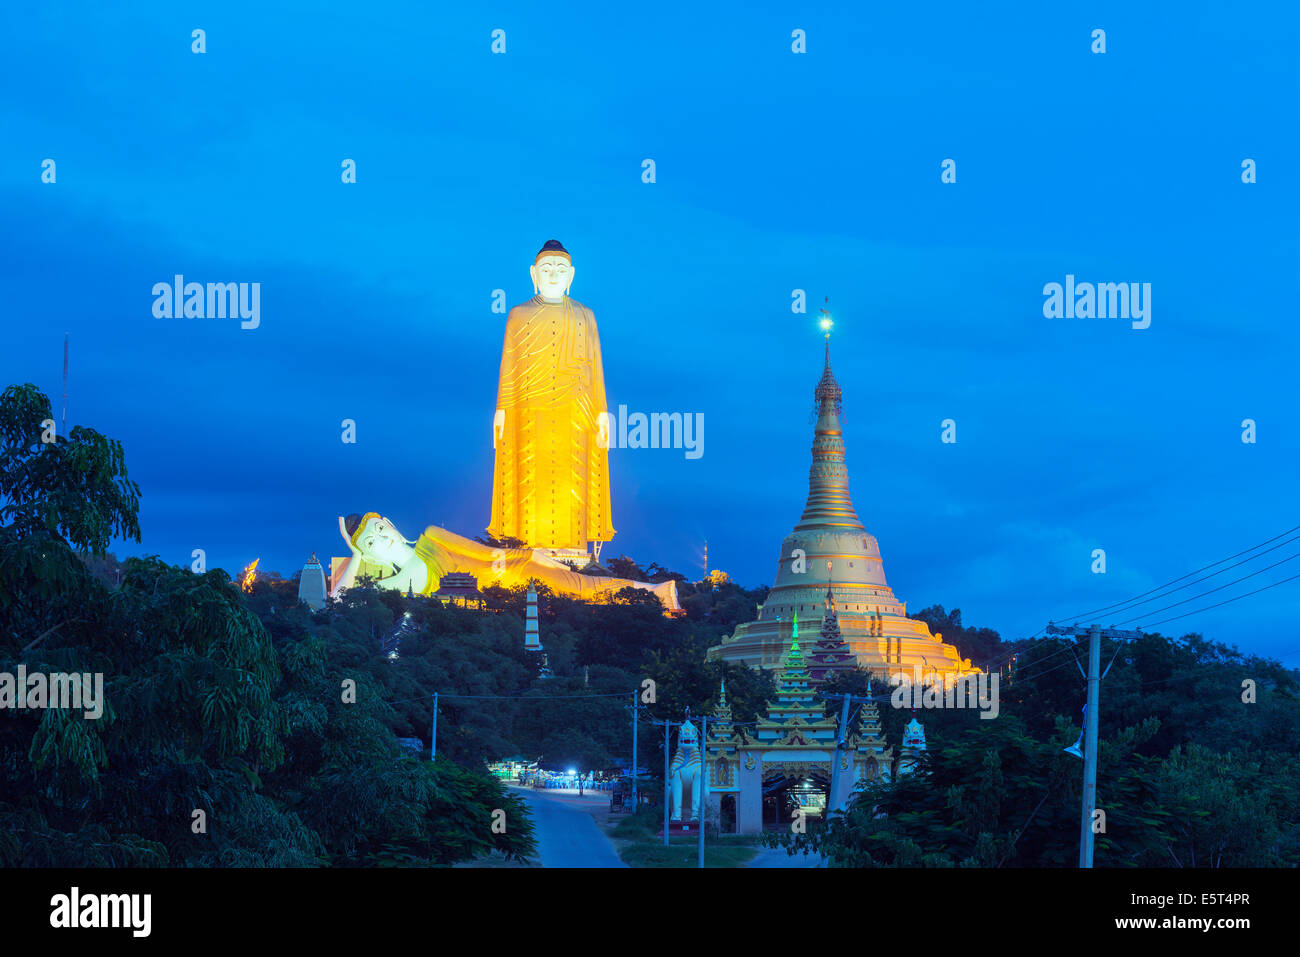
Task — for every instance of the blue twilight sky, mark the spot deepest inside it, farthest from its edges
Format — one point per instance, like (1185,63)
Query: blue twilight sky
(775,172)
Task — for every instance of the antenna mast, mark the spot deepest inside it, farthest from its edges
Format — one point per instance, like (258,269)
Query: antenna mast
(64,427)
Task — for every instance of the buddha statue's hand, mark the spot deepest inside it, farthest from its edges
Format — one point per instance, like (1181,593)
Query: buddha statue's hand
(343,530)
(498,426)
(602,430)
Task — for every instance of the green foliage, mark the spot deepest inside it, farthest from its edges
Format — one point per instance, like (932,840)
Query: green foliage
(75,486)
(204,708)
(980,645)
(684,680)
(1188,774)
(232,703)
(683,853)
(624,567)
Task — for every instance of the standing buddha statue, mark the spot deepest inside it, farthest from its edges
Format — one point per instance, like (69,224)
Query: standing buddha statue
(550,486)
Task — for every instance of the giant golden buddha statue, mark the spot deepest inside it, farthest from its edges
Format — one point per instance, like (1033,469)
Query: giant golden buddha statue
(550,487)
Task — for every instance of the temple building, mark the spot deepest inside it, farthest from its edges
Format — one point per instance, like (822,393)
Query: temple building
(796,738)
(790,762)
(829,568)
(460,588)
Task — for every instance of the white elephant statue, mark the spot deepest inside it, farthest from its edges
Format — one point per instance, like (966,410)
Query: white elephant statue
(686,769)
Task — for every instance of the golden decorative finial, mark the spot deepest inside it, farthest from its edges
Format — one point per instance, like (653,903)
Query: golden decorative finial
(826,320)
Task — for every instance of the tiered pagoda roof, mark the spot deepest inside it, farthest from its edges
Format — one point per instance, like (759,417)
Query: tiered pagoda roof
(830,653)
(870,739)
(723,744)
(720,726)
(795,719)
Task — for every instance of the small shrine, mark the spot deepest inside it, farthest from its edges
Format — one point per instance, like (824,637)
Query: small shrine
(311,584)
(913,745)
(460,588)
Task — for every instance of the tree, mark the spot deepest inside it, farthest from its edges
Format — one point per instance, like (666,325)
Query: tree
(981,645)
(74,486)
(624,567)
(216,742)
(509,541)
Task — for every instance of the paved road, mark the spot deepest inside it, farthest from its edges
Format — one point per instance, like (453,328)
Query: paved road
(566,834)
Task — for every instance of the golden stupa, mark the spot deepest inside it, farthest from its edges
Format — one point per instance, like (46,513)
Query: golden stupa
(830,547)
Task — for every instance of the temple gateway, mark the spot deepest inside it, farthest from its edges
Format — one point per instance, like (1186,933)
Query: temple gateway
(794,760)
(829,571)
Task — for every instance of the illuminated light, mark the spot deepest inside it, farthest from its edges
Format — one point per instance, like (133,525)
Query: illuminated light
(249,575)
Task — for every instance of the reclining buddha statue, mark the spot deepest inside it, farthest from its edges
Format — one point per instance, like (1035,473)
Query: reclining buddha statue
(375,544)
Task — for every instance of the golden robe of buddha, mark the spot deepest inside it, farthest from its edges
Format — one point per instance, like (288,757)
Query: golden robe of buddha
(550,487)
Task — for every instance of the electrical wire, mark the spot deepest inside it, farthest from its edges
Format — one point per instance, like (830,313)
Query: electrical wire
(1226,601)
(1118,605)
(1220,588)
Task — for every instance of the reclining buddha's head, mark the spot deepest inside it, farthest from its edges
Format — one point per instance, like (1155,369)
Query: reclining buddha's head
(376,538)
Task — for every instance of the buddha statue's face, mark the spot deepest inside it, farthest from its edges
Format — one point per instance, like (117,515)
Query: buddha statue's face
(552,276)
(380,542)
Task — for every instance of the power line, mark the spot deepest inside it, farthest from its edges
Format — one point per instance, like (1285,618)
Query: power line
(1213,590)
(516,697)
(1020,679)
(1016,654)
(1226,601)
(1131,603)
(1117,605)
(538,697)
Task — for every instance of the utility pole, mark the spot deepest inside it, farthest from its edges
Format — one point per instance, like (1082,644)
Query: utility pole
(634,765)
(1091,722)
(704,783)
(1090,748)
(63,428)
(667,731)
(433,738)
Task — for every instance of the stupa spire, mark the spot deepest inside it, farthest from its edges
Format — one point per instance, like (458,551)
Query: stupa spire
(838,576)
(828,479)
